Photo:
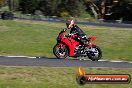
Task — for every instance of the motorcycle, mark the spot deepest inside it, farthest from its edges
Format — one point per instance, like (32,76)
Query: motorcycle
(67,45)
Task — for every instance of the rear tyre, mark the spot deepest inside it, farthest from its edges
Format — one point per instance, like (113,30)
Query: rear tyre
(95,53)
(61,52)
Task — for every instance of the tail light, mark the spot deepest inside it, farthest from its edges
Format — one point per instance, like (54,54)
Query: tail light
(92,38)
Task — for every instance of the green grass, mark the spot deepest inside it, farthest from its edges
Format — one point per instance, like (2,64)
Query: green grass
(53,77)
(38,38)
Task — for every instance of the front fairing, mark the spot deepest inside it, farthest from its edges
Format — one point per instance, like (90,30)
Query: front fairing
(61,35)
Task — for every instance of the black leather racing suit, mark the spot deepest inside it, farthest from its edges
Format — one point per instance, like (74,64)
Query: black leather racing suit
(80,34)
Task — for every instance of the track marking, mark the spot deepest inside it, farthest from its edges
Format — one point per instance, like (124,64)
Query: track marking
(117,61)
(103,60)
(129,62)
(19,56)
(31,57)
(14,56)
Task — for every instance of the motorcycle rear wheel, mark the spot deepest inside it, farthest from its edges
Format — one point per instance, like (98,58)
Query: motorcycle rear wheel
(60,52)
(95,53)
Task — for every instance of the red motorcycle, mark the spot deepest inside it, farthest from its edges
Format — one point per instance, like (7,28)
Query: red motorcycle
(67,45)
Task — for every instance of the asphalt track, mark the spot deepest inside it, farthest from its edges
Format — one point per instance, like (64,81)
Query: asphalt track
(117,25)
(53,62)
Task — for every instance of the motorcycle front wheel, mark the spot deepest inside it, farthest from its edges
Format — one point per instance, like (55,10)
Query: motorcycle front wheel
(61,52)
(95,53)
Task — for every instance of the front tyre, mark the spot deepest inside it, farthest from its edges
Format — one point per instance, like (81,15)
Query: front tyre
(94,53)
(60,51)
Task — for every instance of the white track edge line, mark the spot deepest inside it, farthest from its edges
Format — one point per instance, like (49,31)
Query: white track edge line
(19,56)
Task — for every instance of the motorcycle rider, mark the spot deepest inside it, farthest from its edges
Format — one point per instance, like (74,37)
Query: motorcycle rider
(75,30)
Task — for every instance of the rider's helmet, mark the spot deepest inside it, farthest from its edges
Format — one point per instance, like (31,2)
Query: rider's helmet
(70,24)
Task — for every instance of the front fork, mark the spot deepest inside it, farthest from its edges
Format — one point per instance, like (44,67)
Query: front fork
(88,48)
(60,45)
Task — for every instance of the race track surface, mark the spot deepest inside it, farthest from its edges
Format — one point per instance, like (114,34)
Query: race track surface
(117,25)
(53,62)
